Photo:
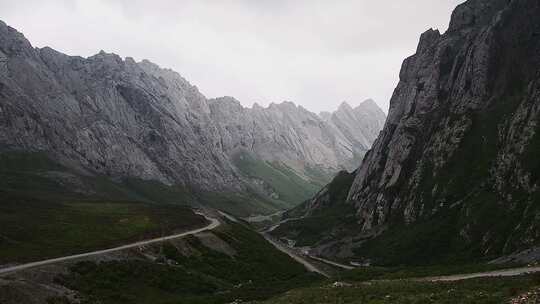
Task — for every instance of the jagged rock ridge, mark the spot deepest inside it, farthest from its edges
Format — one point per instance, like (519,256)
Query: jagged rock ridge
(296,137)
(121,118)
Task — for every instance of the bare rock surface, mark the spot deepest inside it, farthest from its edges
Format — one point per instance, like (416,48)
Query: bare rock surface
(119,118)
(456,161)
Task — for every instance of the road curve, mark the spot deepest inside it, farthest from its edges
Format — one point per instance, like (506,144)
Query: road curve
(332,263)
(274,227)
(213,224)
(298,258)
(497,273)
(310,267)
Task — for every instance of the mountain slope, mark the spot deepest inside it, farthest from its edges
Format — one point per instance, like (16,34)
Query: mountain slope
(360,125)
(109,116)
(453,175)
(289,151)
(118,119)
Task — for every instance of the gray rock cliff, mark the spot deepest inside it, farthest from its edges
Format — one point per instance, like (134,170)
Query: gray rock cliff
(454,173)
(120,118)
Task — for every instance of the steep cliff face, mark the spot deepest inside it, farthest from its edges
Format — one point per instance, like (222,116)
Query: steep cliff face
(110,116)
(118,118)
(454,174)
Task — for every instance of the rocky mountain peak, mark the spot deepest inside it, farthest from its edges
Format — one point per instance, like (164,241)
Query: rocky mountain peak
(475,13)
(257,106)
(325,115)
(283,106)
(224,100)
(106,58)
(122,119)
(369,106)
(345,107)
(13,42)
(149,65)
(427,39)
(369,103)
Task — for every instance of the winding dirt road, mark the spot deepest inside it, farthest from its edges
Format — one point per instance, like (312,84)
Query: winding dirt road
(331,263)
(497,273)
(213,224)
(296,257)
(449,278)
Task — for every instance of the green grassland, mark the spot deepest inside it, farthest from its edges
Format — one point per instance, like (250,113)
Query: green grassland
(34,175)
(255,271)
(314,228)
(405,272)
(291,188)
(240,204)
(33,229)
(475,291)
(45,216)
(48,210)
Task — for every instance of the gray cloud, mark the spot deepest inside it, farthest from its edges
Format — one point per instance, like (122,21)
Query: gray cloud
(316,53)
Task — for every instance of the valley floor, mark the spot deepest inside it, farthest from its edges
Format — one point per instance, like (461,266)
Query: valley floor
(213,223)
(230,262)
(219,263)
(473,291)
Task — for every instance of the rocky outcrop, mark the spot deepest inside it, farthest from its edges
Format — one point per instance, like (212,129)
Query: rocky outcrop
(118,118)
(454,173)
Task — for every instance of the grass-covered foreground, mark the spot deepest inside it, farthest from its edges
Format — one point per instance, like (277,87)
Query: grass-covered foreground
(34,230)
(243,267)
(47,210)
(477,291)
(407,272)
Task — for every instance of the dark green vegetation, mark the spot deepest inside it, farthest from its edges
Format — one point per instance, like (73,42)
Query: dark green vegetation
(34,230)
(395,273)
(47,211)
(36,176)
(312,229)
(426,242)
(291,189)
(253,270)
(240,204)
(477,291)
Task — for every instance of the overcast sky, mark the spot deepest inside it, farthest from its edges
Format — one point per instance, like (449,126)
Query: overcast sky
(314,53)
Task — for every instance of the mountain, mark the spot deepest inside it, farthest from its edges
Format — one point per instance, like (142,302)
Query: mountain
(103,117)
(454,175)
(296,137)
(287,151)
(360,125)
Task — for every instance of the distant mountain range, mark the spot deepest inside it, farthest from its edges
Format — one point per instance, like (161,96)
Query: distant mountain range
(454,175)
(103,117)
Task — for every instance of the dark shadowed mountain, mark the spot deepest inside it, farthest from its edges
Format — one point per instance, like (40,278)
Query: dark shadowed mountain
(454,174)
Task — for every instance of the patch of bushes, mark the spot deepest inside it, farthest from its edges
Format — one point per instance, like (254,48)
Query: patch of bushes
(257,271)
